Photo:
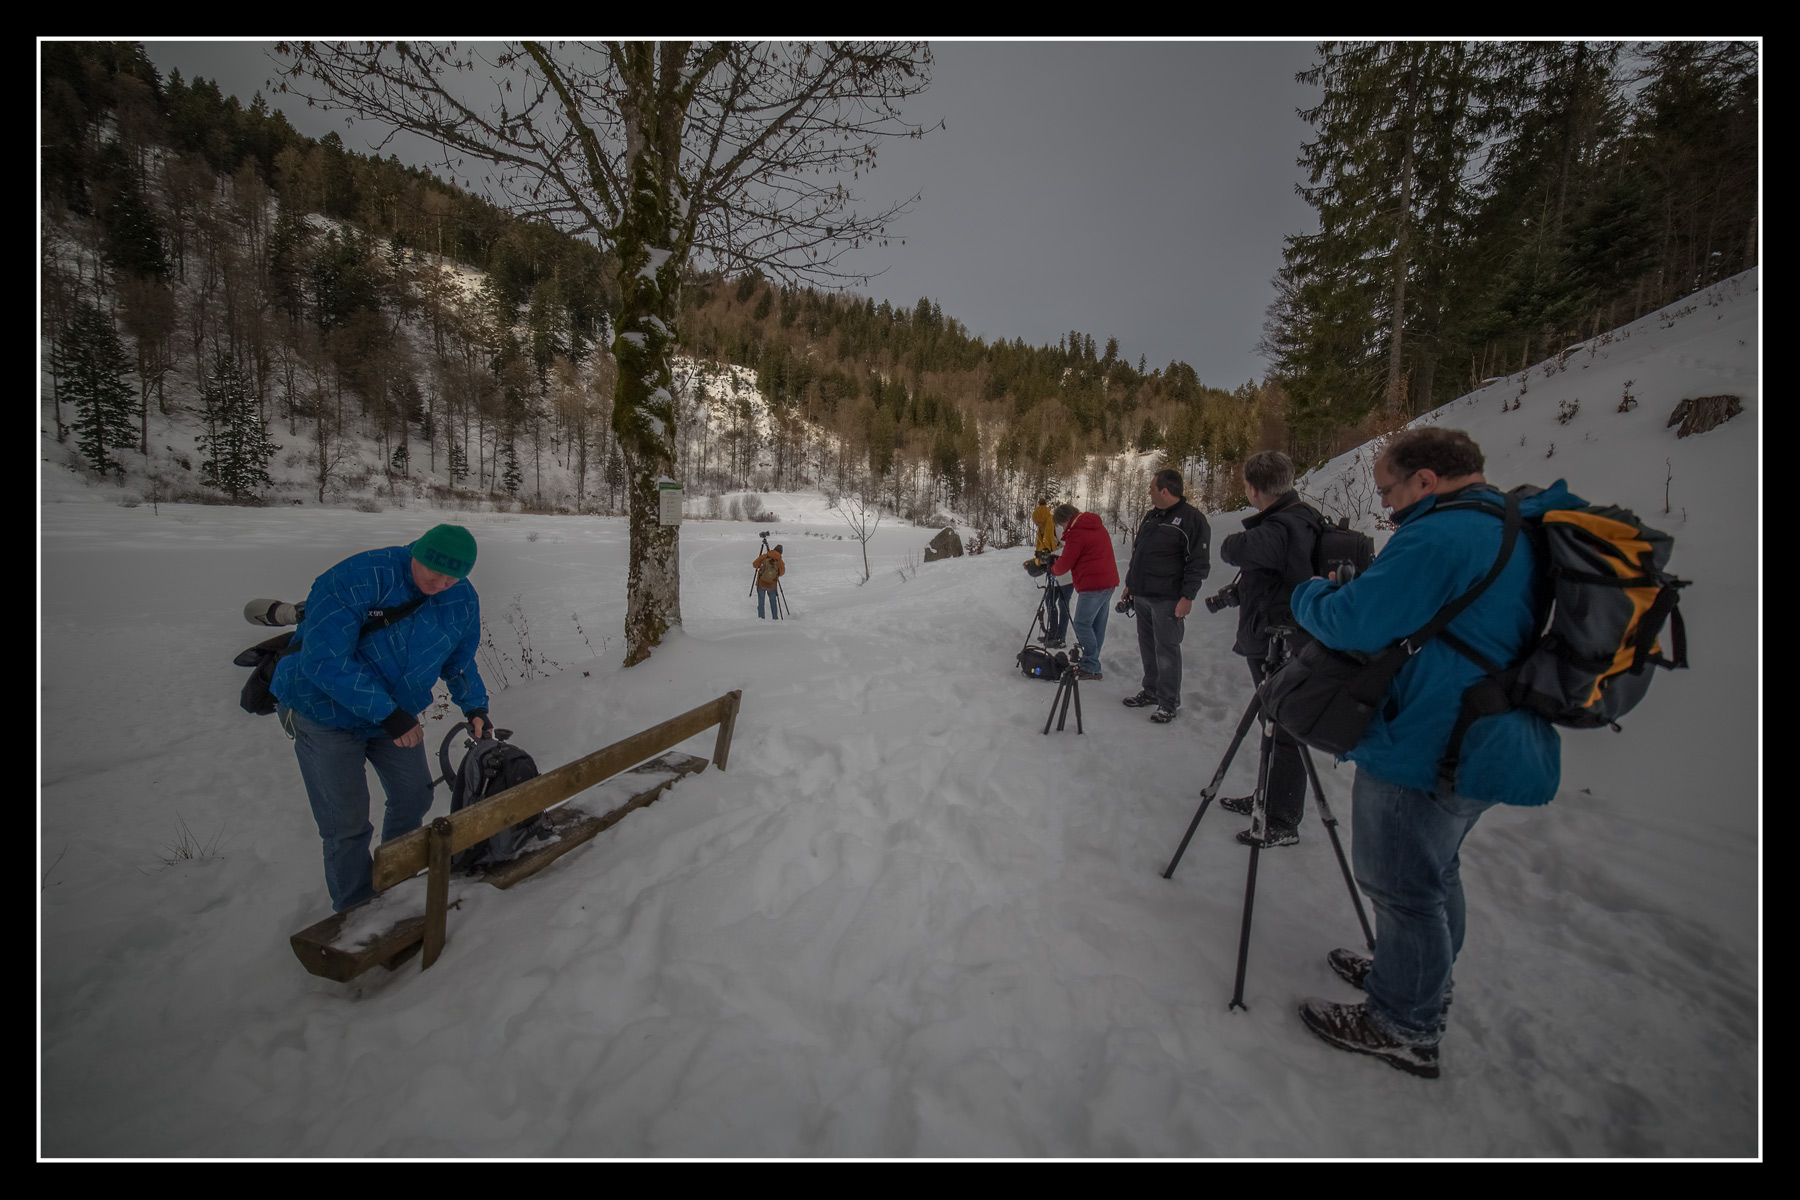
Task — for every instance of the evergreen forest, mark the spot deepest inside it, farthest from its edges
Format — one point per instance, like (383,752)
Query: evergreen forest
(379,331)
(1483,206)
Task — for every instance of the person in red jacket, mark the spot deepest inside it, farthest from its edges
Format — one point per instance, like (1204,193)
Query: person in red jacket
(1088,558)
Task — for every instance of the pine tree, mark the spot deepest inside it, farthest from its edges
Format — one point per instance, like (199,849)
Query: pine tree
(512,476)
(90,368)
(235,439)
(1389,176)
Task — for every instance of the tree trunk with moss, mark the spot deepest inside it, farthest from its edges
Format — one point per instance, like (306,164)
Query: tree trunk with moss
(649,256)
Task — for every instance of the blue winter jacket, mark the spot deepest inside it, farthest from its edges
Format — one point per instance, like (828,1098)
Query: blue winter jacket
(345,682)
(1434,557)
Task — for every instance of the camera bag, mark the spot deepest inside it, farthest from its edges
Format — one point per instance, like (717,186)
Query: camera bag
(1339,545)
(1041,664)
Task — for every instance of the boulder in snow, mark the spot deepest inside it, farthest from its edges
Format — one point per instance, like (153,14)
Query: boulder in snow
(945,545)
(1704,413)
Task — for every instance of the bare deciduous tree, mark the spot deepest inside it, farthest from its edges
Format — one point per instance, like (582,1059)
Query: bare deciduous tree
(729,153)
(859,512)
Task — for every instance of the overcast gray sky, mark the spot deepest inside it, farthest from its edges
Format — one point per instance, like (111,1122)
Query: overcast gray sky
(1128,189)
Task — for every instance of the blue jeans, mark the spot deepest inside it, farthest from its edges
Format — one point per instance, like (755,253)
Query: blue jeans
(774,602)
(1091,609)
(1056,610)
(332,766)
(1407,845)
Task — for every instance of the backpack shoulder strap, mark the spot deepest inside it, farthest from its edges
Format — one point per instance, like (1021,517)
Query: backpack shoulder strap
(390,615)
(1509,538)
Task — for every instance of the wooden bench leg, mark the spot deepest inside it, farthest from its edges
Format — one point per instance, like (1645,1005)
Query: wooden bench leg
(437,890)
(722,747)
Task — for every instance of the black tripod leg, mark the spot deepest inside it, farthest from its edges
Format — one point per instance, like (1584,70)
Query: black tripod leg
(1237,990)
(1212,789)
(1055,701)
(1330,821)
(1258,825)
(1075,690)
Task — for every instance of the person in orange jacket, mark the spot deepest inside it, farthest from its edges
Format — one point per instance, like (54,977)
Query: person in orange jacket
(769,570)
(1056,610)
(1045,520)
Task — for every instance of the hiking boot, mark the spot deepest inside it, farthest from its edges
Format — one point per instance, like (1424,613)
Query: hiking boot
(1141,700)
(1057,644)
(1083,676)
(1273,835)
(1243,806)
(1347,1026)
(1162,716)
(1351,967)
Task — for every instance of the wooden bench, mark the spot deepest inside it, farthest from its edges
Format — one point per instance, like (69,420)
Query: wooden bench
(346,944)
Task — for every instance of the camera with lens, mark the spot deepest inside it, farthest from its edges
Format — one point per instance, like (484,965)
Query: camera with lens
(1226,597)
(1040,563)
(1125,607)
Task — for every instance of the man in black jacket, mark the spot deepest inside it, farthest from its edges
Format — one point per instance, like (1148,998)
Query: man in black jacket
(1169,563)
(1272,554)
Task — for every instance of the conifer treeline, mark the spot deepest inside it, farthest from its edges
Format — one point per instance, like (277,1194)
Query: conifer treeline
(188,220)
(940,418)
(1482,204)
(183,218)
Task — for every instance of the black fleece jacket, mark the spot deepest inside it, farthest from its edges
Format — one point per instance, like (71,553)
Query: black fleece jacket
(1170,553)
(1274,554)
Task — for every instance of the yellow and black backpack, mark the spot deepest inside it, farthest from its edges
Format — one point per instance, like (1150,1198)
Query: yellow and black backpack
(1604,597)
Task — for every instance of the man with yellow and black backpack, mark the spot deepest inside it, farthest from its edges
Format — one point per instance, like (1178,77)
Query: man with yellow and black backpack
(1441,671)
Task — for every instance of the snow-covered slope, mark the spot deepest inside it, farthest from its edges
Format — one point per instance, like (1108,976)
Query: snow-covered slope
(905,921)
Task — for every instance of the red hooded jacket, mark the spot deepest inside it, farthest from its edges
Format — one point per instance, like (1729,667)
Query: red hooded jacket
(1088,555)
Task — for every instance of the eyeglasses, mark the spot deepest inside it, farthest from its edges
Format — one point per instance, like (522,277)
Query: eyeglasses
(1383,491)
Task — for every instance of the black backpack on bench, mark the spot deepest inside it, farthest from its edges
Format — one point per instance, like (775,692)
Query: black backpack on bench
(491,765)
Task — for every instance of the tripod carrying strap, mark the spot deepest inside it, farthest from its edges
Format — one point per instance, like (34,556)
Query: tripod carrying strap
(257,698)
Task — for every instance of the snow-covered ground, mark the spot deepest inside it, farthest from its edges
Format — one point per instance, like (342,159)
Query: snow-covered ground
(904,922)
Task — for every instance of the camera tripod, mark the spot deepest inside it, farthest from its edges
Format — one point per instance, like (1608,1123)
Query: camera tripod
(780,592)
(1068,687)
(1277,655)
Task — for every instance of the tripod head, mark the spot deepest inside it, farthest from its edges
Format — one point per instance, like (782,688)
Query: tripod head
(1279,635)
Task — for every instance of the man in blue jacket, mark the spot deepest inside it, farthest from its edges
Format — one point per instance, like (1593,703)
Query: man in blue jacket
(347,697)
(1408,834)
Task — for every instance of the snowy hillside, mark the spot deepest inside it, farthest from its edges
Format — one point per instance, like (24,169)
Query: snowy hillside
(905,921)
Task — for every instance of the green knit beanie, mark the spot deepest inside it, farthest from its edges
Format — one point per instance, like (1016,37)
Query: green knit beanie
(447,549)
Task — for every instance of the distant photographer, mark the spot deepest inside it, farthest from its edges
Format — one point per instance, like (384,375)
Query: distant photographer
(1170,560)
(1272,554)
